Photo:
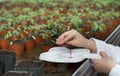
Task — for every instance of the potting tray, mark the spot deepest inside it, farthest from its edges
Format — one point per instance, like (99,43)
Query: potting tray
(35,68)
(8,60)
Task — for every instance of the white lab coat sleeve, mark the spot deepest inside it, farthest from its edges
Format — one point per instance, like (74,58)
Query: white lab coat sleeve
(111,50)
(115,71)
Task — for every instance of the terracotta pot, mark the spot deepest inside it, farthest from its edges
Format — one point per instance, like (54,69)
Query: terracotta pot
(18,48)
(29,45)
(14,37)
(4,44)
(35,68)
(71,12)
(24,34)
(50,8)
(111,25)
(3,33)
(38,40)
(46,48)
(43,22)
(87,28)
(63,10)
(98,35)
(114,22)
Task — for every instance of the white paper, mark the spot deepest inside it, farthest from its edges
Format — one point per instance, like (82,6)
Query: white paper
(92,56)
(61,55)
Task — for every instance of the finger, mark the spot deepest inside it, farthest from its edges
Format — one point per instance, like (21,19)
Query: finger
(63,35)
(68,39)
(94,60)
(95,67)
(93,63)
(103,54)
(61,38)
(67,36)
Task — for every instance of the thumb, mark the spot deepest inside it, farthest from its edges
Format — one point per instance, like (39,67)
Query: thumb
(103,54)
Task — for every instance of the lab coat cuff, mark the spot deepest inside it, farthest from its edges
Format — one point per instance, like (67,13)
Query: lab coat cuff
(98,44)
(115,71)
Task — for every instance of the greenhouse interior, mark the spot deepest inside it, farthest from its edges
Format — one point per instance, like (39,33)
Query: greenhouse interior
(31,30)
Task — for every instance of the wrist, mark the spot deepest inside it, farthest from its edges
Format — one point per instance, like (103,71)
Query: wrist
(114,70)
(111,67)
(90,44)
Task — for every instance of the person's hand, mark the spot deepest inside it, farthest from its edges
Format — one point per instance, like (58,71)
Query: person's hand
(74,38)
(105,64)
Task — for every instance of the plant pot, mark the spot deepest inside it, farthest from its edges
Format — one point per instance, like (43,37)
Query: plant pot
(3,33)
(29,45)
(17,73)
(43,22)
(8,60)
(4,44)
(24,34)
(63,10)
(18,48)
(14,37)
(38,40)
(36,68)
(88,27)
(114,22)
(71,12)
(45,48)
(108,29)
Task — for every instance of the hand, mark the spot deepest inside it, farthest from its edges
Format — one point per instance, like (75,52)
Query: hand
(105,64)
(74,38)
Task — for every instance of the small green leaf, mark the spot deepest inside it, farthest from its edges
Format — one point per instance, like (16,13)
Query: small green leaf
(11,42)
(33,37)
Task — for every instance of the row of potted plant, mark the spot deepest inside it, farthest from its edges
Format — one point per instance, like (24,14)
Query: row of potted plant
(77,15)
(47,19)
(22,35)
